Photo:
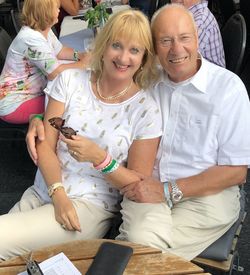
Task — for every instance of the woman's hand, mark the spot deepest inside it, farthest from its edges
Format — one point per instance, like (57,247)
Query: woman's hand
(65,212)
(84,150)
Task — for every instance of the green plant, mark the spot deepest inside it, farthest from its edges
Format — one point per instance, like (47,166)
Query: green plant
(97,16)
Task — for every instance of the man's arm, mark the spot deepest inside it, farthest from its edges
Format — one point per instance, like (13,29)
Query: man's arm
(36,130)
(211,181)
(141,158)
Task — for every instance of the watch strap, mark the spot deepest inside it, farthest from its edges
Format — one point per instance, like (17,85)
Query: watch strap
(176,194)
(167,194)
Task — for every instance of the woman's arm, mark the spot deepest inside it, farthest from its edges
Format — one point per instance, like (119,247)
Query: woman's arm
(141,158)
(49,166)
(68,54)
(48,162)
(70,6)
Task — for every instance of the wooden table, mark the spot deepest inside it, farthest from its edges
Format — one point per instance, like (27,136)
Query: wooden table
(145,259)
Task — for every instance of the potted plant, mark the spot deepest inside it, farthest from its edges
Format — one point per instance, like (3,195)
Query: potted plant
(97,16)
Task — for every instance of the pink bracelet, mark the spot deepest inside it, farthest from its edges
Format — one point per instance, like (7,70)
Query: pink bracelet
(104,163)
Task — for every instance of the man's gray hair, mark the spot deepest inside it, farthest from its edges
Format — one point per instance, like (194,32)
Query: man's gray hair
(170,6)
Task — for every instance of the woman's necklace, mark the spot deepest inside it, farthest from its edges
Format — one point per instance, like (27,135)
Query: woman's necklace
(119,94)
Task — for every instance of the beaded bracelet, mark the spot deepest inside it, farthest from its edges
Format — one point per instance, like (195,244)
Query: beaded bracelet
(111,167)
(104,163)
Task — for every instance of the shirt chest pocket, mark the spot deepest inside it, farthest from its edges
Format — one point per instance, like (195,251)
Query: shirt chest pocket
(198,134)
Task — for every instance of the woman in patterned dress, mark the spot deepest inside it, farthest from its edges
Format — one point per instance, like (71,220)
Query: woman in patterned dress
(33,58)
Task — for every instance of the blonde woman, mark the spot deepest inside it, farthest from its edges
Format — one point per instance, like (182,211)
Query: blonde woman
(33,58)
(76,190)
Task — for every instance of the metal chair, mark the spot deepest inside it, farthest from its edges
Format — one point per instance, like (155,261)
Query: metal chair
(4,46)
(9,131)
(223,255)
(19,4)
(245,11)
(16,20)
(227,9)
(234,35)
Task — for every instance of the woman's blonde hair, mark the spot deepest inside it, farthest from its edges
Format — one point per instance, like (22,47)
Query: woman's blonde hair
(133,25)
(39,14)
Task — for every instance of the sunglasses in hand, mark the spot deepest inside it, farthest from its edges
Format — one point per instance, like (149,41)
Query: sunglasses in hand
(58,123)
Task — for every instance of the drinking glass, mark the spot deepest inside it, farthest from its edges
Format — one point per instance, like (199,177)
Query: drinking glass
(88,44)
(86,4)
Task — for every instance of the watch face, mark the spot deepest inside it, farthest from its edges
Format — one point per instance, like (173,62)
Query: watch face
(177,196)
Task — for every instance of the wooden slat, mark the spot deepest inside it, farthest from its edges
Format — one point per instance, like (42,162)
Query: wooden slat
(145,260)
(151,264)
(78,250)
(224,265)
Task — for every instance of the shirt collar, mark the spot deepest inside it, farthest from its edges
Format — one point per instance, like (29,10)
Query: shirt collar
(199,80)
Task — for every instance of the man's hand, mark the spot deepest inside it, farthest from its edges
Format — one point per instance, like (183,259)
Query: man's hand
(148,190)
(36,130)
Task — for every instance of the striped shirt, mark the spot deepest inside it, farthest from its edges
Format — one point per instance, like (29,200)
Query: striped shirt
(210,41)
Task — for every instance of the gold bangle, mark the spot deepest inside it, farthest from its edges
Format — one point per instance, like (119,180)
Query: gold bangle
(54,187)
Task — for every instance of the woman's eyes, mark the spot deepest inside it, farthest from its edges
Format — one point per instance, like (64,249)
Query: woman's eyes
(134,51)
(117,45)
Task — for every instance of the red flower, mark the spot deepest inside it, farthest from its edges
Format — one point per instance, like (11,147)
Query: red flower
(98,1)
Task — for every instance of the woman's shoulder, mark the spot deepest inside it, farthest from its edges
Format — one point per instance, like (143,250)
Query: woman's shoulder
(75,77)
(147,96)
(30,36)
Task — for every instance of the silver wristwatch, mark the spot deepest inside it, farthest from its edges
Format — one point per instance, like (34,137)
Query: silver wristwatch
(176,194)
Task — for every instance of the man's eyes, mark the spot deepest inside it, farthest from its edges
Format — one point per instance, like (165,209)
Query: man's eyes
(166,41)
(185,38)
(169,41)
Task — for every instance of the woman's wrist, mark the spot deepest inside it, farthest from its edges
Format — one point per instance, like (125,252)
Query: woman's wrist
(76,56)
(99,158)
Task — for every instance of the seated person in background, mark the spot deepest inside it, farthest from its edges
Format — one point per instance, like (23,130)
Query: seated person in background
(144,5)
(33,58)
(210,41)
(68,7)
(204,151)
(72,197)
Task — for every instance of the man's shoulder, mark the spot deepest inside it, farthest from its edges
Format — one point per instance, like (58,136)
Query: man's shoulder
(221,78)
(202,16)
